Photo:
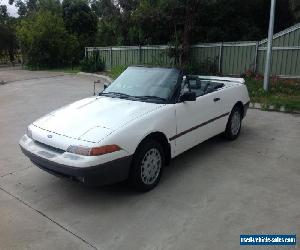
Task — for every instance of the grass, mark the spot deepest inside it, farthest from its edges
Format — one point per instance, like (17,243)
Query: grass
(281,93)
(116,71)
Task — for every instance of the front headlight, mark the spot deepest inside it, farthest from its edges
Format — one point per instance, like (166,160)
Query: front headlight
(80,150)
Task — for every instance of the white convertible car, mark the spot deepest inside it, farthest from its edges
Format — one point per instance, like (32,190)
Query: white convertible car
(135,126)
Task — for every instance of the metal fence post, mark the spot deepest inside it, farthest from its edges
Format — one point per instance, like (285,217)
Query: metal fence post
(111,58)
(140,54)
(255,58)
(220,57)
(269,49)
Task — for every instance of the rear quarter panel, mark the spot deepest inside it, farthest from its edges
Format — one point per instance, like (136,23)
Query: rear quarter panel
(233,93)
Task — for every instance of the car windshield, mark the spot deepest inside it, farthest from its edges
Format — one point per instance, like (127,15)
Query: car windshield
(144,83)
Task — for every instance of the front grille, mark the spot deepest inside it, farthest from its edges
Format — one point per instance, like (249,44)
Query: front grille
(57,150)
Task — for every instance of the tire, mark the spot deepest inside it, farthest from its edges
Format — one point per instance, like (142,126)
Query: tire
(147,166)
(234,124)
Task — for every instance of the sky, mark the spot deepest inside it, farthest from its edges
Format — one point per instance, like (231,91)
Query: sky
(12,10)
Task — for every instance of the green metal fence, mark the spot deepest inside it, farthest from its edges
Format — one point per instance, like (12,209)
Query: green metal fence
(228,58)
(6,60)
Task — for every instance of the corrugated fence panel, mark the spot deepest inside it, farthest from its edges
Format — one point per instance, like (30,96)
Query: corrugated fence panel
(286,53)
(288,65)
(202,55)
(296,63)
(155,56)
(105,55)
(235,59)
(261,61)
(5,58)
(238,59)
(284,62)
(288,39)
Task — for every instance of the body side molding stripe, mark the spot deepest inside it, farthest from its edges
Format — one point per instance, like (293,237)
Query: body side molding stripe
(198,126)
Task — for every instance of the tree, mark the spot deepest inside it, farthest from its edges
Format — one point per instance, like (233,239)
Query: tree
(104,8)
(45,42)
(235,20)
(54,6)
(176,19)
(8,42)
(80,21)
(109,28)
(3,13)
(22,9)
(30,6)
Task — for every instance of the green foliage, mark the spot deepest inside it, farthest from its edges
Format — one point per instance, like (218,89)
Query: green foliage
(92,63)
(8,41)
(28,7)
(53,6)
(22,8)
(45,41)
(116,71)
(80,21)
(282,93)
(3,13)
(107,34)
(206,67)
(104,8)
(235,20)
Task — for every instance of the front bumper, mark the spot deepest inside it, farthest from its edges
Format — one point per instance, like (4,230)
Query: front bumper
(106,173)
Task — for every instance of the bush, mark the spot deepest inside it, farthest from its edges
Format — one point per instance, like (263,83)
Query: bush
(92,63)
(116,71)
(45,42)
(206,67)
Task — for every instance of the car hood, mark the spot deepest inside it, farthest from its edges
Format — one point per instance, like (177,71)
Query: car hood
(94,118)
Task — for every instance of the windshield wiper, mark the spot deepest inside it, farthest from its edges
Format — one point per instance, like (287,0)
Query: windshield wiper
(115,94)
(147,97)
(122,95)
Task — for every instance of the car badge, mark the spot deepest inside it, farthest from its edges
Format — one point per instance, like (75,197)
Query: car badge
(49,136)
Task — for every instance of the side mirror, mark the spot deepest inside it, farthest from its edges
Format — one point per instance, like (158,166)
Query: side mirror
(188,96)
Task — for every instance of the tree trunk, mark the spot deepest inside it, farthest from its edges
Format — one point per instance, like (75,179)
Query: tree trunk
(186,23)
(187,29)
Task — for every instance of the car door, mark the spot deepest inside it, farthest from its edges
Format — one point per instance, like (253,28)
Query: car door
(198,120)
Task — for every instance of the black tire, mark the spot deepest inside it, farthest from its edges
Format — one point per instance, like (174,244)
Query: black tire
(135,178)
(230,132)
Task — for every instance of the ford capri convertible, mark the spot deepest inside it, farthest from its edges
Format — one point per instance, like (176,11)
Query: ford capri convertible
(135,126)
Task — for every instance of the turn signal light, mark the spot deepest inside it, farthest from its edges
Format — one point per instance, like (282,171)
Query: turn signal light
(80,150)
(104,150)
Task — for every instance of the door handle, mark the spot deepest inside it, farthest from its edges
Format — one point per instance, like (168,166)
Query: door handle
(217,99)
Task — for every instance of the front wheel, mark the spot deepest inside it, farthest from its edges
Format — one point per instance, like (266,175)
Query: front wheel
(147,165)
(233,127)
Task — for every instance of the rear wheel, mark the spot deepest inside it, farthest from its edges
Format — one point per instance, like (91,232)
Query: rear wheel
(147,165)
(233,127)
